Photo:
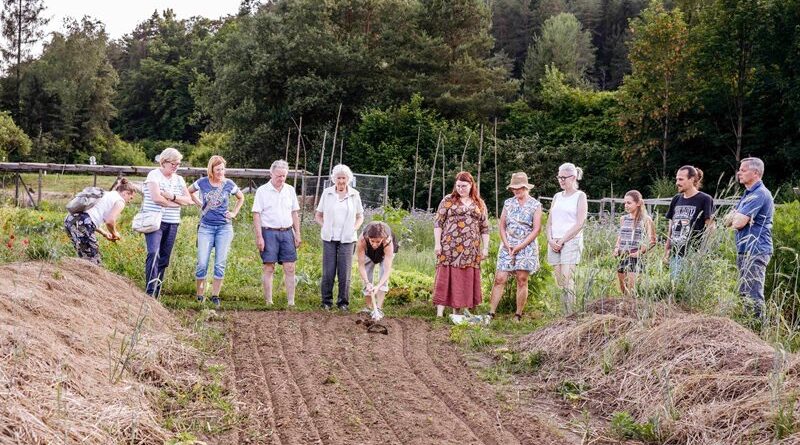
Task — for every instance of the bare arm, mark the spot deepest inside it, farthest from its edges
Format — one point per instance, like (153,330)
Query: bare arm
(319,218)
(159,197)
(537,227)
(257,230)
(388,258)
(616,245)
(503,234)
(651,234)
(437,240)
(239,202)
(111,221)
(583,208)
(739,220)
(359,221)
(668,242)
(362,261)
(193,192)
(296,226)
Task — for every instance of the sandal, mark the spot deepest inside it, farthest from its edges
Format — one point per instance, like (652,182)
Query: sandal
(517,318)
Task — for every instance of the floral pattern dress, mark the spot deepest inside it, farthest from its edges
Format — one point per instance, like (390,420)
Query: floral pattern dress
(519,224)
(458,274)
(462,227)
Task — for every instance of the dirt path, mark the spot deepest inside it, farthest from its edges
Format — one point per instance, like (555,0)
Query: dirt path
(319,378)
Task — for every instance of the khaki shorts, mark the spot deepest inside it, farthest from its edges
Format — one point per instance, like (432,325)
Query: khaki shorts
(570,253)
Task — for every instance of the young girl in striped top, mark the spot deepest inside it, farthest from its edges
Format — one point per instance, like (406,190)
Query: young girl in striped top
(636,236)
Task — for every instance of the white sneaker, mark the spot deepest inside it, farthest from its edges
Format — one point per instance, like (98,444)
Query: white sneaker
(377,315)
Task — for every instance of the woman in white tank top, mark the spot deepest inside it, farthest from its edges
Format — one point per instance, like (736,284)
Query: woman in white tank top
(565,231)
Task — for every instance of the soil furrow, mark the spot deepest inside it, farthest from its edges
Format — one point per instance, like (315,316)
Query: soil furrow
(293,419)
(366,424)
(420,415)
(424,376)
(252,385)
(299,365)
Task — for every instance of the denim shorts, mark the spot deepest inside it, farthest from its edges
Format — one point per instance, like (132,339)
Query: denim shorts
(278,246)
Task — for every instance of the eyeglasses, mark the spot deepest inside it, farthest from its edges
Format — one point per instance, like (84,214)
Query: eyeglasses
(462,186)
(564,178)
(174,164)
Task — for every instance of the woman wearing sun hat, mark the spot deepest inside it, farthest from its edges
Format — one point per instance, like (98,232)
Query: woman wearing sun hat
(520,223)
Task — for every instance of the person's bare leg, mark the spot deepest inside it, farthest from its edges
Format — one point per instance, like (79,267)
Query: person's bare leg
(201,287)
(500,279)
(216,286)
(379,296)
(631,282)
(439,310)
(266,280)
(522,290)
(622,285)
(288,279)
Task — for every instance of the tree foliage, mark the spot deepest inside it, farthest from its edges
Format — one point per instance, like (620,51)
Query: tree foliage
(659,88)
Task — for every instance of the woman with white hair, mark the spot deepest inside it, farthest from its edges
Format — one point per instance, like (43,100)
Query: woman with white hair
(340,214)
(565,231)
(164,192)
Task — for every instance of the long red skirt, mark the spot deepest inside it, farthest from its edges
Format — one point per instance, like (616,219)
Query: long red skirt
(457,287)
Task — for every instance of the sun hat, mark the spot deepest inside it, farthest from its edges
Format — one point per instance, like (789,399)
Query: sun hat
(519,180)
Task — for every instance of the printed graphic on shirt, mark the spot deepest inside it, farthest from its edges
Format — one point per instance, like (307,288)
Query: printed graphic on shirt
(682,224)
(215,198)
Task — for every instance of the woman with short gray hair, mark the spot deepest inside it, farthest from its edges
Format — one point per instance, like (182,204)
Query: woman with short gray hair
(340,213)
(165,192)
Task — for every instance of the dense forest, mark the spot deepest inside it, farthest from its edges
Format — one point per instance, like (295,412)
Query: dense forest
(627,89)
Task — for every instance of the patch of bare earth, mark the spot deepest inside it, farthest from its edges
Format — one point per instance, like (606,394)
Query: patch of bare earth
(321,378)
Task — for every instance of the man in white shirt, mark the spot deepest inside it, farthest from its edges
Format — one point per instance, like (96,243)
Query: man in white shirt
(276,223)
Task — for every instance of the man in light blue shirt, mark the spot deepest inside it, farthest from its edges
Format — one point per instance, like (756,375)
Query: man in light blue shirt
(752,220)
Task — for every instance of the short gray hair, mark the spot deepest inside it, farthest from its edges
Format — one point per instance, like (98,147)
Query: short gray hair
(754,164)
(170,154)
(280,163)
(339,169)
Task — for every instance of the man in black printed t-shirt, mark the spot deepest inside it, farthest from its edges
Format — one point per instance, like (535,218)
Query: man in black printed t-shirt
(690,214)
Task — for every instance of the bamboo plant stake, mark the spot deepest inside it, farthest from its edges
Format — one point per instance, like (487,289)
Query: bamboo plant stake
(496,192)
(335,133)
(416,160)
(297,157)
(480,157)
(433,170)
(319,170)
(288,136)
(464,153)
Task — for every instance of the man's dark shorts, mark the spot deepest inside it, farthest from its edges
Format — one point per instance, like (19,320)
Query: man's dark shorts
(278,246)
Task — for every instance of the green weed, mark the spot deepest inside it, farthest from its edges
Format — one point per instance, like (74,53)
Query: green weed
(624,426)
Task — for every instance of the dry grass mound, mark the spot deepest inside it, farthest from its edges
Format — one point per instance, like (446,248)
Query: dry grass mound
(82,350)
(693,379)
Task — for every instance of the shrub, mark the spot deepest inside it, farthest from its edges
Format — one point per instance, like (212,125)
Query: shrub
(14,142)
(624,426)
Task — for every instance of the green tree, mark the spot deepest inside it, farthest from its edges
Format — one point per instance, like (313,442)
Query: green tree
(157,63)
(564,44)
(22,26)
(14,143)
(511,29)
(659,89)
(67,93)
(727,45)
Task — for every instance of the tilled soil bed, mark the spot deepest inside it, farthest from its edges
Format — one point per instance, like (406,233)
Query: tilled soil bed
(321,378)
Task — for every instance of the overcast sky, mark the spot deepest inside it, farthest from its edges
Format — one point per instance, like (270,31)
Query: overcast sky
(121,16)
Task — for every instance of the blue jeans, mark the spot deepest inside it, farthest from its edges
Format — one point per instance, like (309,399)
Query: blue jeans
(752,274)
(675,266)
(159,249)
(213,237)
(337,259)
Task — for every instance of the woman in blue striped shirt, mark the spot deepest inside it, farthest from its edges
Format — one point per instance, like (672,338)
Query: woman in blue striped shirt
(164,191)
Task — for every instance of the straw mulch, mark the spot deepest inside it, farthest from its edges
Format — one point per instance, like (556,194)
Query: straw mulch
(62,327)
(706,379)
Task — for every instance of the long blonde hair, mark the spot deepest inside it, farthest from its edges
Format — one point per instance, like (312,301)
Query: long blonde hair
(641,212)
(213,162)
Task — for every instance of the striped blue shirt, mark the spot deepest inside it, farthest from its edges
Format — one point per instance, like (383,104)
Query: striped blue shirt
(175,184)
